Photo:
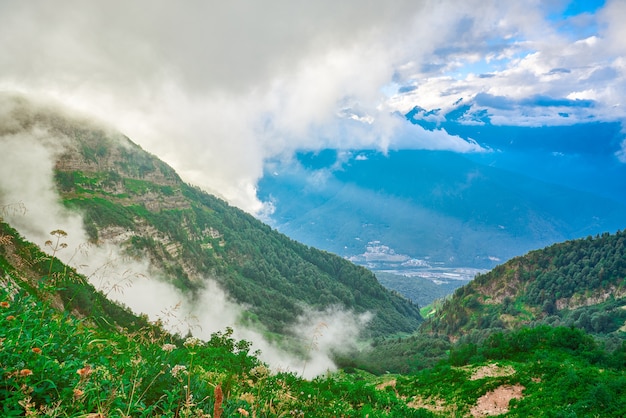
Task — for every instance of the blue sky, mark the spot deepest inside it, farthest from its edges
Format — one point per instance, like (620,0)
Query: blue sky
(218,88)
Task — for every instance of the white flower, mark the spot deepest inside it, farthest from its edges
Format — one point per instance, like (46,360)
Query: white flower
(193,342)
(178,369)
(168,347)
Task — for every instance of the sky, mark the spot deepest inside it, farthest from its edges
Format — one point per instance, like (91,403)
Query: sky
(215,89)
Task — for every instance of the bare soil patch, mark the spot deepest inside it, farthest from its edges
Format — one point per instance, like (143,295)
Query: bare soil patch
(431,403)
(497,401)
(492,370)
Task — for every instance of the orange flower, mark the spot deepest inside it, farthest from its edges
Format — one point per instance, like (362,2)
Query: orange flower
(78,393)
(25,372)
(10,318)
(85,371)
(36,350)
(4,304)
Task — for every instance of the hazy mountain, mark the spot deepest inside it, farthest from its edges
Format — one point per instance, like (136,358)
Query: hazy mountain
(420,209)
(421,290)
(579,156)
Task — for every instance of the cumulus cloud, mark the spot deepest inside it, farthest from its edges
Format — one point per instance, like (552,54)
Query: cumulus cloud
(215,89)
(533,61)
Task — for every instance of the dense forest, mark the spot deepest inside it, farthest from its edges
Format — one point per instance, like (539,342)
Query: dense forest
(257,266)
(579,283)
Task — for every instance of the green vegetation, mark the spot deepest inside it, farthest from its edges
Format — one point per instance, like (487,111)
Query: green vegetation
(579,283)
(54,363)
(58,360)
(542,335)
(190,235)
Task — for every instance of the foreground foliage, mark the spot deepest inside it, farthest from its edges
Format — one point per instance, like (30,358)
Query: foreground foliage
(100,360)
(53,364)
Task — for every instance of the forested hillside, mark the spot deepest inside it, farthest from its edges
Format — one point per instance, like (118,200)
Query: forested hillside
(132,199)
(579,283)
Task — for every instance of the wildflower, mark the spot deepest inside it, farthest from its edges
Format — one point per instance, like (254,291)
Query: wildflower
(243,412)
(247,397)
(168,347)
(36,350)
(193,342)
(26,372)
(78,393)
(4,304)
(178,369)
(10,318)
(260,371)
(84,372)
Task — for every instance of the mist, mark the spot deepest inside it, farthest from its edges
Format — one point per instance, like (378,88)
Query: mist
(26,181)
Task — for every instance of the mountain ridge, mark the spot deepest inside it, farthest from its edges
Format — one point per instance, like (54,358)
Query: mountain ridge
(137,202)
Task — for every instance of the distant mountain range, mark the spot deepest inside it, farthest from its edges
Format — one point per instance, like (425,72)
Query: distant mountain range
(579,156)
(412,209)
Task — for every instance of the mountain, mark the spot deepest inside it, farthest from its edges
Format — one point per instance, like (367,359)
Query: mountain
(66,350)
(130,199)
(580,283)
(414,210)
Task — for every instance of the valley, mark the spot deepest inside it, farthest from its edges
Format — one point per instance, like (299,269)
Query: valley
(291,209)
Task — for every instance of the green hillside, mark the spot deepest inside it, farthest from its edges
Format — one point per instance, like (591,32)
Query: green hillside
(580,283)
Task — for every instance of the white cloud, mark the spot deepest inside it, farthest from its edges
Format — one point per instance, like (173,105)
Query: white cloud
(217,88)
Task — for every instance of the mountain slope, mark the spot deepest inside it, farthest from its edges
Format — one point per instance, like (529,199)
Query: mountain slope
(578,283)
(130,198)
(61,357)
